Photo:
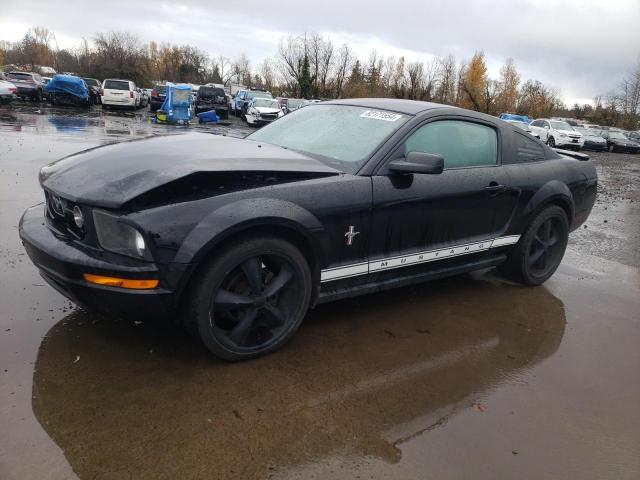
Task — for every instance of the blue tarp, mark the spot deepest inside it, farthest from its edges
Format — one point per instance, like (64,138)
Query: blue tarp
(511,116)
(68,84)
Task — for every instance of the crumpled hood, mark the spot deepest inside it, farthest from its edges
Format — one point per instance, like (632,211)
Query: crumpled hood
(112,175)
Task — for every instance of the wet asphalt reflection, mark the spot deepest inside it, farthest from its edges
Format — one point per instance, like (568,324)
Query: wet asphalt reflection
(469,377)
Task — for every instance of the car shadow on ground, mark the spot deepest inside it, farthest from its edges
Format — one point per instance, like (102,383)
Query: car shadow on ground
(127,399)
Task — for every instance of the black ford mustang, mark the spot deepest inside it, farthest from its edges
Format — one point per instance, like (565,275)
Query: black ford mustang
(238,238)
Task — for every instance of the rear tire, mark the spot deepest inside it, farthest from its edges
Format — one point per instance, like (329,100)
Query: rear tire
(540,249)
(249,299)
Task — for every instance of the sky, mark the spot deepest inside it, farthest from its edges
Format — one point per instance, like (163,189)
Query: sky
(581,47)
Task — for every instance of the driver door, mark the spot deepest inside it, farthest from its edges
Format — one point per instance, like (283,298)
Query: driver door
(420,219)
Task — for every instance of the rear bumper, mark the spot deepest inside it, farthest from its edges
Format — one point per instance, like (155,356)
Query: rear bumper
(62,264)
(125,102)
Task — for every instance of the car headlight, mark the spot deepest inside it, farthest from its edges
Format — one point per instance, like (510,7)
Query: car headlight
(119,237)
(78,217)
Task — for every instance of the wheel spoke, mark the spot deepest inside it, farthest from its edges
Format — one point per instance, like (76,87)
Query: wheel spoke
(240,332)
(277,283)
(226,300)
(277,318)
(252,269)
(546,226)
(536,255)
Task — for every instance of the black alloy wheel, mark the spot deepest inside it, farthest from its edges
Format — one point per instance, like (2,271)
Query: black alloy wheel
(546,249)
(250,299)
(540,249)
(551,142)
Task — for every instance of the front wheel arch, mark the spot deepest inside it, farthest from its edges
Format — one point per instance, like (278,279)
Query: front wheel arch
(284,232)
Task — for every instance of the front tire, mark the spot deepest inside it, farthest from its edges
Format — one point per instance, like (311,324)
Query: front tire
(551,142)
(249,299)
(539,251)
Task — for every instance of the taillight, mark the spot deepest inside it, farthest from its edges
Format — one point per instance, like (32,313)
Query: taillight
(130,94)
(154,93)
(13,89)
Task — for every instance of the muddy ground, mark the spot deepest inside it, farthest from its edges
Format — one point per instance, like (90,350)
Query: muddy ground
(470,377)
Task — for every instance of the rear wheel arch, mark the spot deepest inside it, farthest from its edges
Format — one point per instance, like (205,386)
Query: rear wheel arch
(552,193)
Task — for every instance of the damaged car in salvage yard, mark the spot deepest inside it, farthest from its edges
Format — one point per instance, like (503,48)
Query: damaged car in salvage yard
(238,238)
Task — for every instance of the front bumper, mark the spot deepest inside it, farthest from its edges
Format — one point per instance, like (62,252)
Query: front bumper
(63,262)
(569,142)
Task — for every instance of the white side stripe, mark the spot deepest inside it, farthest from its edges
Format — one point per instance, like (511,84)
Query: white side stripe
(344,272)
(377,265)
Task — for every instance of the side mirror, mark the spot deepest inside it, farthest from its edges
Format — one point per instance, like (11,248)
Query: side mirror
(418,162)
(546,127)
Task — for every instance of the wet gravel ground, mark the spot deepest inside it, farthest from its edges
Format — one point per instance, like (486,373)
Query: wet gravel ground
(469,377)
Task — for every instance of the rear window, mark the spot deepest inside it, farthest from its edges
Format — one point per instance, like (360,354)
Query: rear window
(161,89)
(210,92)
(92,82)
(116,85)
(20,76)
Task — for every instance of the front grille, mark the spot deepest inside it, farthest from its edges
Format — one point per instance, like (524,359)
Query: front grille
(269,116)
(59,212)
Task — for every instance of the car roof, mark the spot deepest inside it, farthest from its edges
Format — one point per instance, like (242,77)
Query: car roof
(410,107)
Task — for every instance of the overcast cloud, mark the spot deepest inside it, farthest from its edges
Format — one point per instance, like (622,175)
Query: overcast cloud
(581,47)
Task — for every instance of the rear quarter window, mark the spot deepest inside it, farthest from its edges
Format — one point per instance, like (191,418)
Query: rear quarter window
(527,149)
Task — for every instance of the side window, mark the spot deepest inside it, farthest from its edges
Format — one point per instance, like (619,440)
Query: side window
(527,149)
(546,124)
(537,123)
(460,143)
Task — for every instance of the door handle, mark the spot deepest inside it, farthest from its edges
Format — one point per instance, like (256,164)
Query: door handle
(495,188)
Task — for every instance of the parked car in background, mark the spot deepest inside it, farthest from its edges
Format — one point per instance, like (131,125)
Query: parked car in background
(592,139)
(238,238)
(7,92)
(119,93)
(557,133)
(617,141)
(68,90)
(211,97)
(144,98)
(294,104)
(262,111)
(28,84)
(158,94)
(635,136)
(94,89)
(245,96)
(45,81)
(523,126)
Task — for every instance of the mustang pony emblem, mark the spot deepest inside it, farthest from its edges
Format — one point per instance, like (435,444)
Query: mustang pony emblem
(350,234)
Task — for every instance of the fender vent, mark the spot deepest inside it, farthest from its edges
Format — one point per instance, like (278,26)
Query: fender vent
(572,154)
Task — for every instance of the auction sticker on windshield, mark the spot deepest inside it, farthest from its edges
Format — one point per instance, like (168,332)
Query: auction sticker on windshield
(378,115)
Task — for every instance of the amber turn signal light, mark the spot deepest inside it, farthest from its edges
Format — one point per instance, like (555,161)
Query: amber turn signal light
(121,282)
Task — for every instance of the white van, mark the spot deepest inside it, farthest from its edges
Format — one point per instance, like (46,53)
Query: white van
(119,93)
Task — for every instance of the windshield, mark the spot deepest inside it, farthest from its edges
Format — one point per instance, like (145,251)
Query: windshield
(92,82)
(266,103)
(210,92)
(339,135)
(251,95)
(587,132)
(618,135)
(294,102)
(561,126)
